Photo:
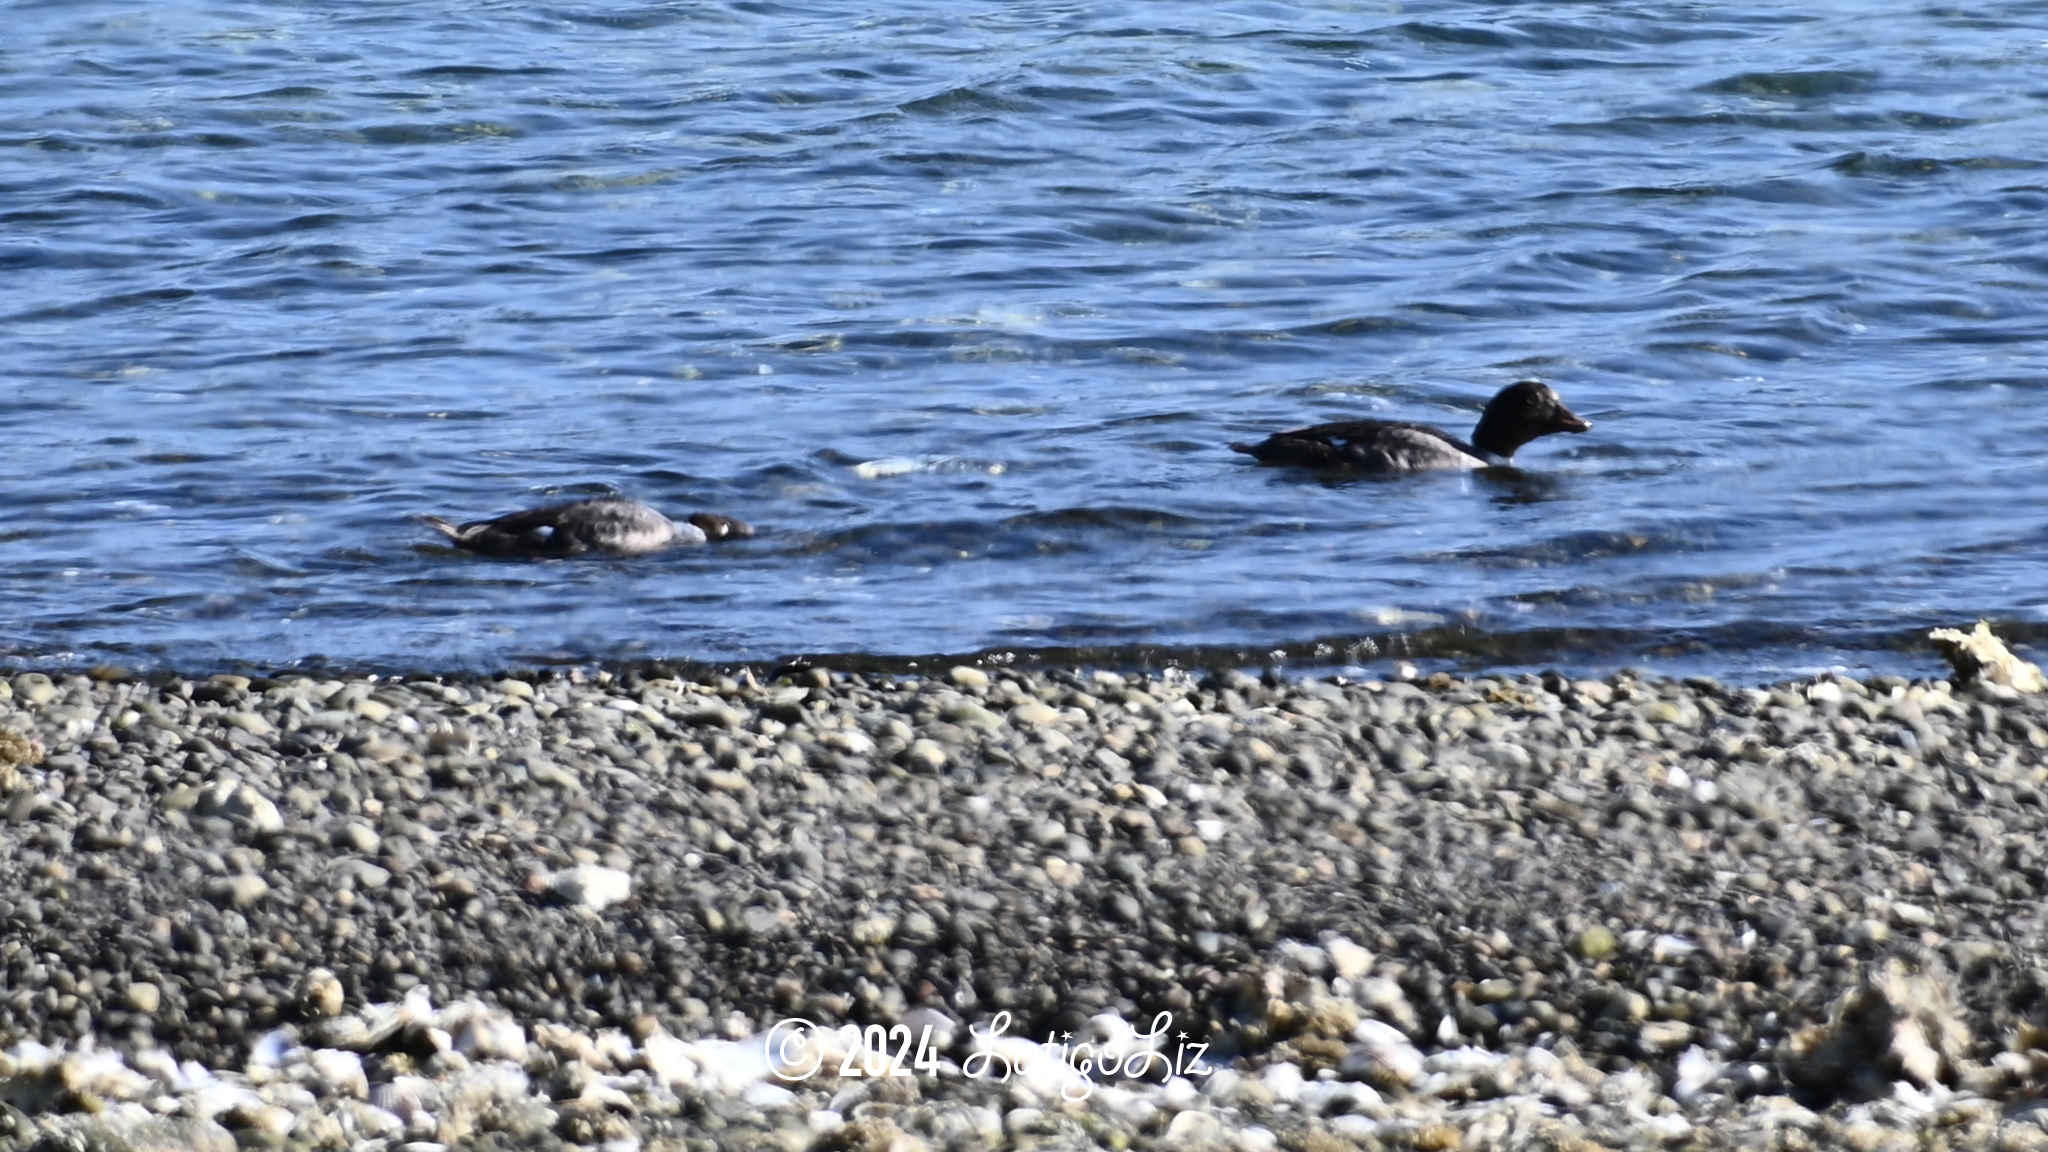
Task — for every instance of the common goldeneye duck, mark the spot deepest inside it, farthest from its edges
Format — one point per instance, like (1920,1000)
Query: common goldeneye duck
(1518,414)
(613,526)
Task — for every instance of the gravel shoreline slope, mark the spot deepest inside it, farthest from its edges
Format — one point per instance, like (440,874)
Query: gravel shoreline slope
(1492,912)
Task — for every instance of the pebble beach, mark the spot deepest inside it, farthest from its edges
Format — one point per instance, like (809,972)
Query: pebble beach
(582,910)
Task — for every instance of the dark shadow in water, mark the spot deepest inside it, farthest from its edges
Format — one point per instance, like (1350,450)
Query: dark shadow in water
(1507,485)
(1032,534)
(1514,486)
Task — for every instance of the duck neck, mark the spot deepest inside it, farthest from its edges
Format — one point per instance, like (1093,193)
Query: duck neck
(1490,437)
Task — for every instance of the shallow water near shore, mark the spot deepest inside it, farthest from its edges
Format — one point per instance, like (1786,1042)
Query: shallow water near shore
(961,304)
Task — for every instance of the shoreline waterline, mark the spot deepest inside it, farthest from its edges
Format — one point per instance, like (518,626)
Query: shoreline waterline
(1751,653)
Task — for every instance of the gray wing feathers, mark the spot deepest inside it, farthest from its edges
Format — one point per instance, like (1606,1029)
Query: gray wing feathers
(1403,449)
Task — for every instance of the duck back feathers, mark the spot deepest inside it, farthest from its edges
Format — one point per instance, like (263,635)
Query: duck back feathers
(1516,415)
(1367,446)
(611,526)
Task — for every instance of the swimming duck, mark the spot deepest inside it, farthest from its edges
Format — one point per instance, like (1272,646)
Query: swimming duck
(1518,414)
(610,525)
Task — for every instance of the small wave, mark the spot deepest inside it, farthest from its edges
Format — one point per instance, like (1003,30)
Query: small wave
(1580,547)
(954,101)
(1478,37)
(120,301)
(889,466)
(1031,534)
(1793,85)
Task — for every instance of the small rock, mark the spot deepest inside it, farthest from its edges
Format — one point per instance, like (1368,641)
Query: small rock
(1352,961)
(1034,712)
(249,722)
(238,801)
(320,993)
(553,775)
(238,891)
(1665,1035)
(592,885)
(917,928)
(970,713)
(366,876)
(35,689)
(341,1071)
(1596,943)
(1194,1128)
(1494,991)
(715,716)
(358,836)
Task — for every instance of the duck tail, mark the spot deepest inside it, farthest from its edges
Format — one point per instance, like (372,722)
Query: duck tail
(443,527)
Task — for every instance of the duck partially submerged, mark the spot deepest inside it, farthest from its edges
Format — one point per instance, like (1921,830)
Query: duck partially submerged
(610,525)
(1516,415)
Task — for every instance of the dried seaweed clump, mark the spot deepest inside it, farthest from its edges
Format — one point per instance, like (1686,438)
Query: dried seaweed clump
(1979,657)
(1896,1025)
(16,752)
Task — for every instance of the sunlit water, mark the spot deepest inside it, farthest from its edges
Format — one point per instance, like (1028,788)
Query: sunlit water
(961,303)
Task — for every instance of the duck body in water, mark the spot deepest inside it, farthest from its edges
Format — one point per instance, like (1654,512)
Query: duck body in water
(610,526)
(1516,415)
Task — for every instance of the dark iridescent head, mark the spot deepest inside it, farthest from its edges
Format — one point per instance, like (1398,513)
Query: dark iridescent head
(1520,413)
(716,527)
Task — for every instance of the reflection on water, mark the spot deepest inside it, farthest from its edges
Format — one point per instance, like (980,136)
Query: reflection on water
(1516,486)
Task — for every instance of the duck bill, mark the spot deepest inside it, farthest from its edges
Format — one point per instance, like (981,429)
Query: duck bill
(1569,421)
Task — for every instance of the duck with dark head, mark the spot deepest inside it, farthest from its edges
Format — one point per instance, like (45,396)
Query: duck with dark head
(1516,415)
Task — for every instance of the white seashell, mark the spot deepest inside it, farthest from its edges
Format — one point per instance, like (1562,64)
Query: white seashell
(375,1122)
(1667,948)
(272,1049)
(1697,1068)
(1388,1048)
(341,1072)
(481,1032)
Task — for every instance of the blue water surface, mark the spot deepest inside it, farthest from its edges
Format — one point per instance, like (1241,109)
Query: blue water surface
(961,302)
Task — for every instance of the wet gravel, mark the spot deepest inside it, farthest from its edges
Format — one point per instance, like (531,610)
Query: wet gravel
(540,912)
